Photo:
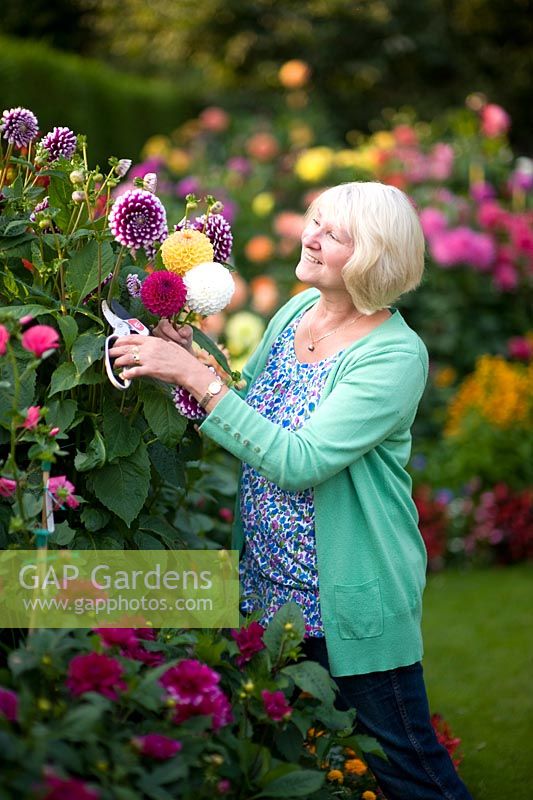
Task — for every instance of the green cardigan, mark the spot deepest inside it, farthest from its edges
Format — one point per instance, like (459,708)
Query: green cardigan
(353,451)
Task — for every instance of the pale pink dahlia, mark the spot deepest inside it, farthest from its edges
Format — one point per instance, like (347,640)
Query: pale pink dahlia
(163,293)
(60,143)
(19,126)
(138,219)
(133,285)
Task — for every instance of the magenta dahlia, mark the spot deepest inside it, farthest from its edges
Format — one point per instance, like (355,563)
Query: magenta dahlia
(138,219)
(95,672)
(187,405)
(19,126)
(155,745)
(218,231)
(163,293)
(60,143)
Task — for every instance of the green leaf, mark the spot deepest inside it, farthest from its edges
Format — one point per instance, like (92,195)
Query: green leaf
(82,269)
(32,310)
(69,330)
(94,519)
(298,783)
(275,636)
(61,413)
(87,349)
(168,464)
(63,534)
(7,395)
(146,542)
(81,721)
(63,378)
(95,456)
(167,532)
(311,677)
(60,195)
(123,487)
(122,437)
(208,344)
(162,416)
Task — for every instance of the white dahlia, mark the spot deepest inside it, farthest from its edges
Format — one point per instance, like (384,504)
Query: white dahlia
(210,287)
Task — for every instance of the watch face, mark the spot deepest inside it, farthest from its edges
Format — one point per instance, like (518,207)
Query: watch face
(214,387)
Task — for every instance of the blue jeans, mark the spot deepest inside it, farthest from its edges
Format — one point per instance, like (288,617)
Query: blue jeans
(392,707)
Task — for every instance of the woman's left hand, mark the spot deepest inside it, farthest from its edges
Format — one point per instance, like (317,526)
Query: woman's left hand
(149,356)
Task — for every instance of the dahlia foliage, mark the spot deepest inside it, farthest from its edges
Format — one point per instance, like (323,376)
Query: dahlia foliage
(71,237)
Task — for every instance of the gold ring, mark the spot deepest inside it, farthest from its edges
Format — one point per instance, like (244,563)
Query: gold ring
(135,351)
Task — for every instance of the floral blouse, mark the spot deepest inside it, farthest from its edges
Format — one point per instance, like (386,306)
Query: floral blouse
(279,560)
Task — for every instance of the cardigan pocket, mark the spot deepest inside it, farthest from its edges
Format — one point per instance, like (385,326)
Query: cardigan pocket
(359,610)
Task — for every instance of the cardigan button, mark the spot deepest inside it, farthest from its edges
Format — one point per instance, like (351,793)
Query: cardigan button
(245,442)
(227,427)
(257,449)
(237,435)
(216,419)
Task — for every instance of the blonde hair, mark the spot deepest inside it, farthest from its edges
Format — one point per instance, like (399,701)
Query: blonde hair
(388,255)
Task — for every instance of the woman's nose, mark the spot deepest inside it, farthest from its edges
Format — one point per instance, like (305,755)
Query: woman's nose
(310,238)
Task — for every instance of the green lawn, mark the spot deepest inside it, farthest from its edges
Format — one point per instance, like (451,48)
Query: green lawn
(478,630)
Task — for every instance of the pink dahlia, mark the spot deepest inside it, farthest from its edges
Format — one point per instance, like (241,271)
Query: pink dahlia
(194,688)
(32,418)
(4,339)
(138,219)
(7,487)
(155,745)
(62,490)
(42,206)
(39,339)
(520,347)
(276,705)
(163,293)
(8,704)
(249,641)
(495,121)
(60,143)
(117,637)
(19,126)
(57,788)
(95,672)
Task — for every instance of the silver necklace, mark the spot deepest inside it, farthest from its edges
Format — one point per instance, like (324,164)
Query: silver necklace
(313,342)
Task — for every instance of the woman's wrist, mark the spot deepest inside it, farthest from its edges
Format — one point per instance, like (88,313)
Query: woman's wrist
(198,383)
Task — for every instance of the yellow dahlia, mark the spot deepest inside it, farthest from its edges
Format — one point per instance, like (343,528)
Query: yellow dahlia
(185,249)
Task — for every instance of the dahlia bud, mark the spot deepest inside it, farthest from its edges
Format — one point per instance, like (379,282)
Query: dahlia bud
(98,177)
(78,197)
(77,176)
(45,223)
(123,166)
(217,207)
(249,686)
(150,182)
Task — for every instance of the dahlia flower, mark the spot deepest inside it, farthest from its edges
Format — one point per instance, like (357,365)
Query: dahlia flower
(8,704)
(39,339)
(218,231)
(276,705)
(138,219)
(249,641)
(19,126)
(210,287)
(133,285)
(194,687)
(4,339)
(187,405)
(8,487)
(42,206)
(150,182)
(95,672)
(60,143)
(185,249)
(155,745)
(163,293)
(123,166)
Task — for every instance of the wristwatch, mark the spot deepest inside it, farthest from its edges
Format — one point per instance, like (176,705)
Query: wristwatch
(212,390)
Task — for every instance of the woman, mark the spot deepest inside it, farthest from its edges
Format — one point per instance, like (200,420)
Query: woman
(326,516)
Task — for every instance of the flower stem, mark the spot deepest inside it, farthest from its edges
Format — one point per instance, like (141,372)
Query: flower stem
(6,164)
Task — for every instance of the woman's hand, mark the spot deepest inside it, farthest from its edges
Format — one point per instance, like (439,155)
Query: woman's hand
(154,357)
(181,335)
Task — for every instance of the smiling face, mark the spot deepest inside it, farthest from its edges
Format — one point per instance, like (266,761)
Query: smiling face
(326,247)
